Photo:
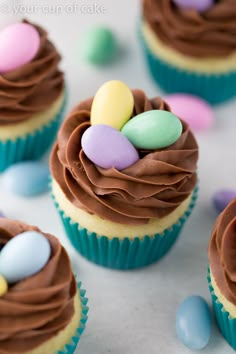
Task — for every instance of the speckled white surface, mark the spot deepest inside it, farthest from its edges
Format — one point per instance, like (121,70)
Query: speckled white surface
(134,312)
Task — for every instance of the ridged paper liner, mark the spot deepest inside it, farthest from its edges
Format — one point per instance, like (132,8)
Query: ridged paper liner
(126,253)
(32,146)
(215,88)
(70,347)
(226,324)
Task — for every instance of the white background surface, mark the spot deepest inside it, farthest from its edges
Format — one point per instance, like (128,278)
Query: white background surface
(134,312)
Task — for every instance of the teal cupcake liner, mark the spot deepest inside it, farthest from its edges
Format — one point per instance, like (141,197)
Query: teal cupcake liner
(126,253)
(226,324)
(215,88)
(70,347)
(32,146)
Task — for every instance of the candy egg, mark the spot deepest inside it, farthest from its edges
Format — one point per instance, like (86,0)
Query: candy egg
(199,5)
(19,43)
(24,255)
(194,110)
(26,179)
(112,105)
(3,286)
(99,45)
(222,198)
(108,148)
(193,322)
(154,129)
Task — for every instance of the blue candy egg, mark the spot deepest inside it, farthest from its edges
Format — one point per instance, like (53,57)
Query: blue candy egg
(26,179)
(24,255)
(193,322)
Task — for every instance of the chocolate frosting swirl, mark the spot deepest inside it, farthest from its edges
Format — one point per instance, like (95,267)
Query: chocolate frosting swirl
(33,87)
(222,252)
(152,187)
(38,307)
(208,34)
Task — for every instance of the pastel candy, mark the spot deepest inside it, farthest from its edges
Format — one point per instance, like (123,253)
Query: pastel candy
(99,45)
(199,5)
(26,179)
(24,255)
(19,44)
(153,129)
(108,148)
(222,198)
(193,322)
(3,286)
(112,105)
(192,109)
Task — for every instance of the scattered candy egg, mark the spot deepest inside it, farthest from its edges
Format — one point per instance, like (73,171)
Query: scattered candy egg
(3,286)
(99,45)
(192,109)
(193,322)
(107,147)
(26,179)
(19,43)
(1,214)
(112,105)
(222,198)
(24,255)
(199,5)
(154,129)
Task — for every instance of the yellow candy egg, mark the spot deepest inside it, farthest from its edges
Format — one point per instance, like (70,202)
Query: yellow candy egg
(3,286)
(112,105)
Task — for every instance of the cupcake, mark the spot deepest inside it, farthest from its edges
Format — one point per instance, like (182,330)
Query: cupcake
(32,93)
(42,308)
(191,46)
(221,277)
(127,214)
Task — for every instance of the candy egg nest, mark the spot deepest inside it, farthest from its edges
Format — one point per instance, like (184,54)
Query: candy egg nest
(114,136)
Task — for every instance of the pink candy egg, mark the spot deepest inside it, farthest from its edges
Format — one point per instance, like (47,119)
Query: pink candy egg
(192,109)
(19,44)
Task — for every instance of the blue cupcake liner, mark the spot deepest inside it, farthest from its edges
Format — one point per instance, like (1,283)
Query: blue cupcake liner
(226,324)
(215,88)
(126,253)
(32,146)
(70,347)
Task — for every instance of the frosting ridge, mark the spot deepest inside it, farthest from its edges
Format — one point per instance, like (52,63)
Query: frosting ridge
(222,252)
(38,307)
(153,187)
(208,34)
(33,87)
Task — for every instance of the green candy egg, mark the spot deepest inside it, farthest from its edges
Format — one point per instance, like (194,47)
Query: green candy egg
(154,129)
(99,45)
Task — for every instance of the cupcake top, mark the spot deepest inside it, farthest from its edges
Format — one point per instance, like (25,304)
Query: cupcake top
(210,33)
(37,307)
(222,252)
(152,187)
(32,87)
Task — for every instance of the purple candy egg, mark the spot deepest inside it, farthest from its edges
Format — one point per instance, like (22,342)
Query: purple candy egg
(222,198)
(1,214)
(108,148)
(199,5)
